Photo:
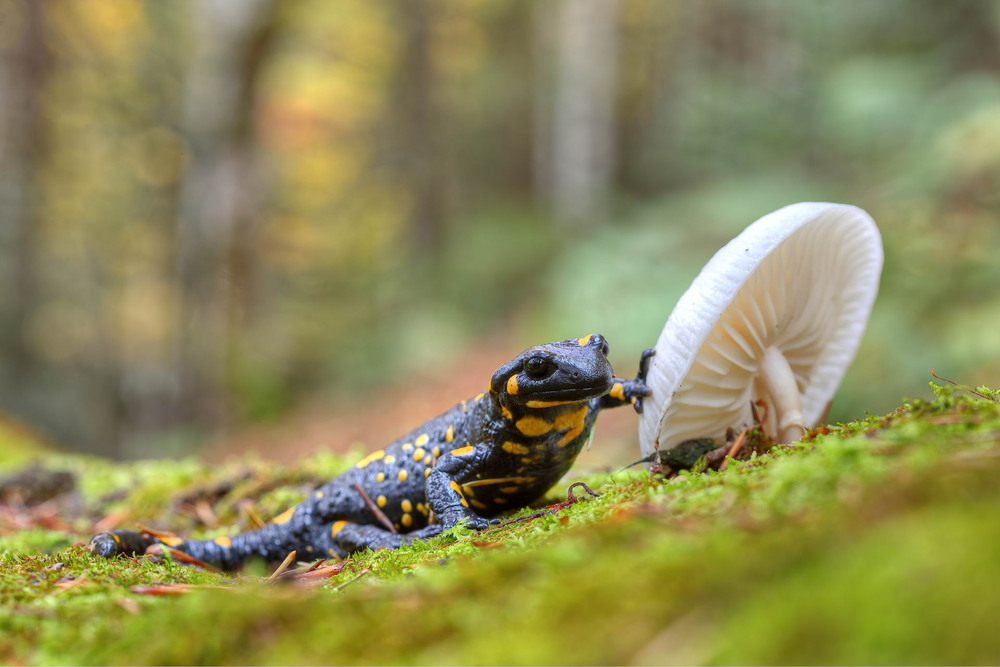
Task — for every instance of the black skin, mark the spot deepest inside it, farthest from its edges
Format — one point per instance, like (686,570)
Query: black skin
(500,451)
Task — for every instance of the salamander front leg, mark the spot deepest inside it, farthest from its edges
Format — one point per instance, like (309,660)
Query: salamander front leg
(444,487)
(630,391)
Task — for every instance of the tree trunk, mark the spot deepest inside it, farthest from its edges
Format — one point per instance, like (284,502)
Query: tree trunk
(420,153)
(220,199)
(23,73)
(575,130)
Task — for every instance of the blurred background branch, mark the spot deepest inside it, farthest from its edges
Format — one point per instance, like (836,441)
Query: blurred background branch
(215,213)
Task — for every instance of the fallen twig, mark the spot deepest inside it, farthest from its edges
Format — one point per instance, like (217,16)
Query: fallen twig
(255,519)
(962,387)
(351,580)
(379,514)
(551,509)
(284,566)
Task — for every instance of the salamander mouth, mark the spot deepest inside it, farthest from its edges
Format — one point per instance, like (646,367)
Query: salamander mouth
(572,393)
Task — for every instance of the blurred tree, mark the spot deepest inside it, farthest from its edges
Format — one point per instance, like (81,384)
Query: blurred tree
(418,118)
(25,64)
(211,209)
(221,200)
(576,127)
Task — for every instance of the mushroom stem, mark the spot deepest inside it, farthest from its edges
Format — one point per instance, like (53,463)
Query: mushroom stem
(779,382)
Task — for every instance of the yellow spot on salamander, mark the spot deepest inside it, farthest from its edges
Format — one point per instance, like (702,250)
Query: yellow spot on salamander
(223,542)
(463,451)
(422,508)
(457,489)
(586,339)
(380,477)
(406,506)
(407,521)
(571,436)
(510,489)
(617,391)
(546,404)
(419,453)
(478,505)
(402,475)
(171,541)
(570,419)
(407,446)
(427,471)
(478,397)
(422,439)
(337,527)
(514,448)
(436,452)
(449,435)
(512,385)
(497,480)
(284,517)
(374,456)
(389,460)
(533,426)
(381,501)
(507,414)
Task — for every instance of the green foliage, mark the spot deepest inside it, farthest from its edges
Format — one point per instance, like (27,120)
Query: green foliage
(870,542)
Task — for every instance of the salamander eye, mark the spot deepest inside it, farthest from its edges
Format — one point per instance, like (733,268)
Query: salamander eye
(537,367)
(604,348)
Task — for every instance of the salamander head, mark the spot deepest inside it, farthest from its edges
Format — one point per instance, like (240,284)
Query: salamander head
(569,371)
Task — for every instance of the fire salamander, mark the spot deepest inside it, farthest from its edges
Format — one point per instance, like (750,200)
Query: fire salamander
(500,451)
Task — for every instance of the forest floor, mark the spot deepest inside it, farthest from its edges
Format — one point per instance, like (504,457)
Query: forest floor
(871,542)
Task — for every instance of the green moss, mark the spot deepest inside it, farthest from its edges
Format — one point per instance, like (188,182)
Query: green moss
(18,445)
(874,542)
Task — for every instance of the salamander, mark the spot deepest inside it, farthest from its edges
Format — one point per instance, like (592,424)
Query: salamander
(502,450)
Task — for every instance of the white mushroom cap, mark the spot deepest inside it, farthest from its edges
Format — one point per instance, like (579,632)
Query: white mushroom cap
(777,314)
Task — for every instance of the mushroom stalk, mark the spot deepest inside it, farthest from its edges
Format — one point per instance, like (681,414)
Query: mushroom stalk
(779,382)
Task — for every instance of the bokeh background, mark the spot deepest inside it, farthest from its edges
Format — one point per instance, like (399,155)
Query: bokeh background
(294,224)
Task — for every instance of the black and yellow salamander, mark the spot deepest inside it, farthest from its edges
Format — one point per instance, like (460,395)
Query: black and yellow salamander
(500,451)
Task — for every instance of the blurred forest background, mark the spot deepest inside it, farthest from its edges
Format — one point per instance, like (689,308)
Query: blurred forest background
(216,213)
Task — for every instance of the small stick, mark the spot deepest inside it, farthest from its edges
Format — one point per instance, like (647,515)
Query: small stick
(252,515)
(351,580)
(527,517)
(734,450)
(315,566)
(284,566)
(158,534)
(187,558)
(314,575)
(960,386)
(551,509)
(379,514)
(570,498)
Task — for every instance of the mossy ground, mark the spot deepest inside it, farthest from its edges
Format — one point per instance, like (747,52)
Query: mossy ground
(871,542)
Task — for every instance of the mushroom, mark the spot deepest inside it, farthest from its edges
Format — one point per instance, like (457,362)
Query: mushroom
(775,316)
